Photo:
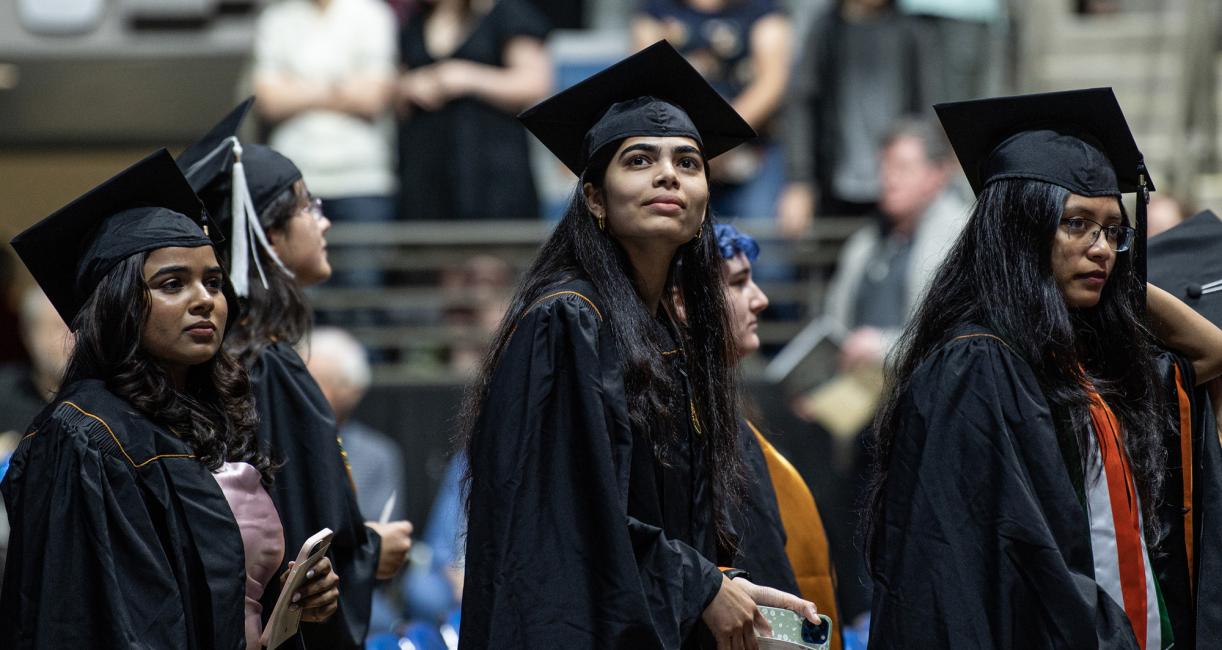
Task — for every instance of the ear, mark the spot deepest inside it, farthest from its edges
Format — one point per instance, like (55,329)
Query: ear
(594,200)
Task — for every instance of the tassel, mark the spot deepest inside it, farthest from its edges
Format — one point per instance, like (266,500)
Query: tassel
(244,229)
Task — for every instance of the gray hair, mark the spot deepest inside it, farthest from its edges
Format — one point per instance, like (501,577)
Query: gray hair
(338,344)
(931,136)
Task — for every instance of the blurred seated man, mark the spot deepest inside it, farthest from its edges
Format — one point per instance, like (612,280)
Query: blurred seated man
(885,267)
(339,364)
(883,270)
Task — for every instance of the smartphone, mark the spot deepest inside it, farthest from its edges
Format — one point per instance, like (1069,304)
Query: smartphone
(284,621)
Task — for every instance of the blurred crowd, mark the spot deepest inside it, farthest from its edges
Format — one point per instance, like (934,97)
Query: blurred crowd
(382,103)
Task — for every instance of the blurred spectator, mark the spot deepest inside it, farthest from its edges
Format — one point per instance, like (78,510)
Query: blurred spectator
(339,364)
(962,45)
(478,291)
(882,272)
(323,74)
(433,588)
(26,389)
(1163,213)
(886,267)
(859,70)
(743,48)
(470,66)
(10,346)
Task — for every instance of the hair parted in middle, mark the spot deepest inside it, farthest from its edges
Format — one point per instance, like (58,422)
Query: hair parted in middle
(579,249)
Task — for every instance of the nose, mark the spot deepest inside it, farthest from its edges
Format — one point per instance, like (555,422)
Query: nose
(1100,251)
(324,224)
(666,175)
(759,299)
(203,301)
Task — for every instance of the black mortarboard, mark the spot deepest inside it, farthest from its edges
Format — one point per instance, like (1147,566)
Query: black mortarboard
(653,92)
(208,164)
(1186,261)
(245,177)
(145,207)
(1077,139)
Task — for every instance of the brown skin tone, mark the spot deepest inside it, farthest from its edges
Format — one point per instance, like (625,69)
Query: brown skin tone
(1081,272)
(184,327)
(654,198)
(187,311)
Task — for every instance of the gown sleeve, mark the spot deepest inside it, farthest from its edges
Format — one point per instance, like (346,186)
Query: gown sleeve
(86,566)
(313,490)
(1187,564)
(553,559)
(983,542)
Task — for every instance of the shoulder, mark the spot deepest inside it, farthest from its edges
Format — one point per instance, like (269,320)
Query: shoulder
(87,414)
(578,296)
(974,359)
(277,358)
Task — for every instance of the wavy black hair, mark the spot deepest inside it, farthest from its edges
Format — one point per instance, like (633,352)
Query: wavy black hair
(1005,250)
(279,312)
(577,249)
(214,413)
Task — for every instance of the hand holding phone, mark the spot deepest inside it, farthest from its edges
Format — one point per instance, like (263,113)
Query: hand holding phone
(285,619)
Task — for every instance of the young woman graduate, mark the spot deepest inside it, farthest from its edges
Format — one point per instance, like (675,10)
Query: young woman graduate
(1022,448)
(781,543)
(277,231)
(137,499)
(603,438)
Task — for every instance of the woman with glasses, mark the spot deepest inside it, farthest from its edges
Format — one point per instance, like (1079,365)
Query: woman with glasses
(276,236)
(1023,449)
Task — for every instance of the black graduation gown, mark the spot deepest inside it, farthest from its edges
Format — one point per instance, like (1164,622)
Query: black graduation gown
(120,538)
(578,537)
(313,490)
(761,535)
(984,542)
(1188,561)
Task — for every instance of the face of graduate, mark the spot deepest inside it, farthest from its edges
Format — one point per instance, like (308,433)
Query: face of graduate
(1082,268)
(745,300)
(655,192)
(187,310)
(301,243)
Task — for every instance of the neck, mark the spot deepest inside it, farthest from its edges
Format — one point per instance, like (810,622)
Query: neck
(650,267)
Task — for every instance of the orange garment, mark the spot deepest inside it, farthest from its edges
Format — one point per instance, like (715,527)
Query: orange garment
(806,541)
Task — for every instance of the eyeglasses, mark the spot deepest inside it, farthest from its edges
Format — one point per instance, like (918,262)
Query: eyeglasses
(1119,238)
(314,207)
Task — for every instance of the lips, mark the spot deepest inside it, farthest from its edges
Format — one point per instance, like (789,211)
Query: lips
(202,328)
(667,200)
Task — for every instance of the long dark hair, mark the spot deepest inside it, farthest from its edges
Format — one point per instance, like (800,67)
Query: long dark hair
(279,312)
(214,414)
(577,249)
(1005,251)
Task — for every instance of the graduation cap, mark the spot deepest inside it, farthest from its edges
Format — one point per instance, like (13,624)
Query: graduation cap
(653,92)
(247,178)
(1077,139)
(1186,261)
(145,207)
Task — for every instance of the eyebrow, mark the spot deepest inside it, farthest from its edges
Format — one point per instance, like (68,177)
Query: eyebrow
(170,270)
(656,150)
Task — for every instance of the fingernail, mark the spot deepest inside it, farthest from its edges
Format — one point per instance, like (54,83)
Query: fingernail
(309,574)
(296,597)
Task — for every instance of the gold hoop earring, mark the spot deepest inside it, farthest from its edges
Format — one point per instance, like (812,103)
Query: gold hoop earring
(699,231)
(601,220)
